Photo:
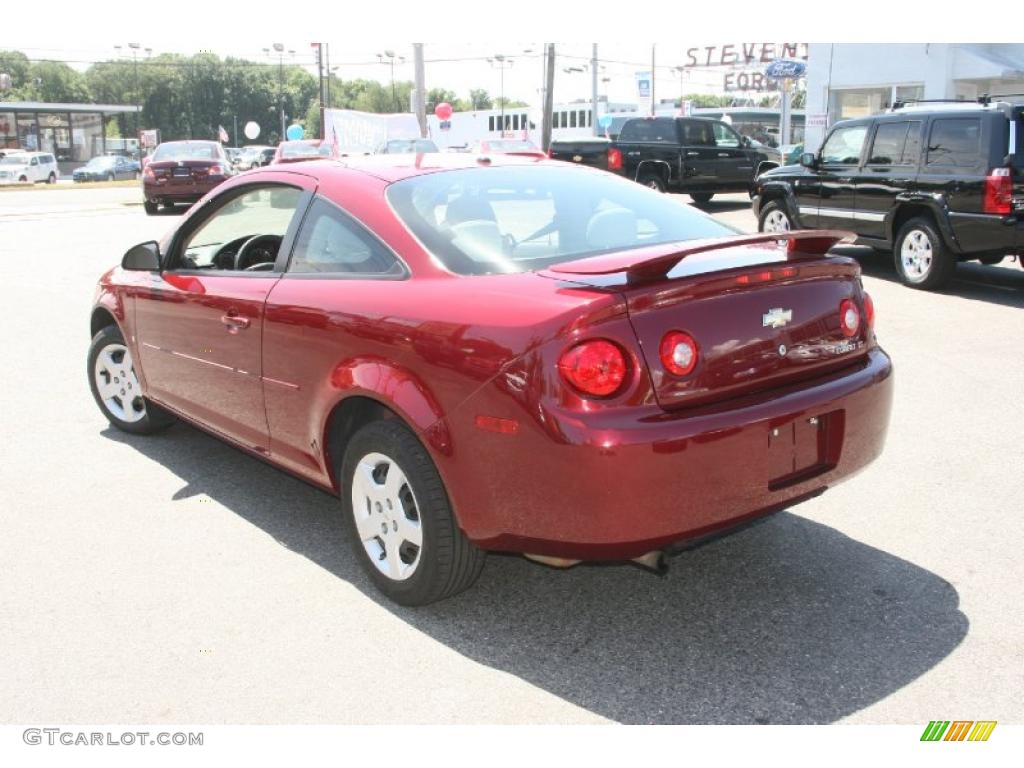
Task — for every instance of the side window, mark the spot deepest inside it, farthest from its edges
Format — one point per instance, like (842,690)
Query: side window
(332,242)
(844,145)
(645,129)
(954,141)
(697,133)
(887,148)
(34,161)
(725,136)
(243,233)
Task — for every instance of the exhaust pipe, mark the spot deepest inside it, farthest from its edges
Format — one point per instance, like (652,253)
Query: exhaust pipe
(655,561)
(554,562)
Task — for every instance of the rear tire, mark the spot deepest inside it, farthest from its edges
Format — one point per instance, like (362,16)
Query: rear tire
(652,181)
(701,198)
(402,526)
(52,178)
(151,208)
(922,259)
(110,177)
(115,387)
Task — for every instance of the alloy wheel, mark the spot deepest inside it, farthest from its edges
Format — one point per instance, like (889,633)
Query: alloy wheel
(387,516)
(118,385)
(776,221)
(916,255)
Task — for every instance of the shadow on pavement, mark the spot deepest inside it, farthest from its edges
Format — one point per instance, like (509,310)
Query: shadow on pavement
(1000,284)
(788,621)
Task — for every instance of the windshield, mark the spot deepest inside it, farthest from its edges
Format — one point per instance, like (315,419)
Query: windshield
(481,221)
(417,146)
(186,150)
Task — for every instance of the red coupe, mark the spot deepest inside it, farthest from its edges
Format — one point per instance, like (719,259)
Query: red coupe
(481,354)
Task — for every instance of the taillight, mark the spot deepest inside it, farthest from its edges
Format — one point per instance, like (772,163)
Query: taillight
(998,192)
(849,318)
(148,173)
(614,159)
(595,367)
(678,353)
(869,311)
(217,170)
(550,153)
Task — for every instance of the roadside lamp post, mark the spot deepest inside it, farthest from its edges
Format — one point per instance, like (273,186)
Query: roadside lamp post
(390,56)
(136,95)
(279,50)
(501,62)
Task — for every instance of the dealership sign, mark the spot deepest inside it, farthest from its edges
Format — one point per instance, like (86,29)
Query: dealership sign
(786,69)
(746,63)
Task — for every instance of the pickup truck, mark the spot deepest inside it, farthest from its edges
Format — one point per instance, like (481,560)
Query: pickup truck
(695,155)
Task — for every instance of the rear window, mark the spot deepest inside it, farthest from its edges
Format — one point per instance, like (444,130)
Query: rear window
(480,221)
(955,142)
(642,129)
(186,150)
(306,149)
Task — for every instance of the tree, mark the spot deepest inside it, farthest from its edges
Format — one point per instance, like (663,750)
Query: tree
(508,103)
(480,99)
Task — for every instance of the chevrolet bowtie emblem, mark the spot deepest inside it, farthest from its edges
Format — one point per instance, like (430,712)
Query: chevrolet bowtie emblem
(776,318)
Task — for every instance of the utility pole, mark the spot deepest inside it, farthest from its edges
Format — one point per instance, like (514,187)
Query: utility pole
(420,92)
(654,101)
(501,61)
(593,91)
(549,98)
(320,75)
(327,49)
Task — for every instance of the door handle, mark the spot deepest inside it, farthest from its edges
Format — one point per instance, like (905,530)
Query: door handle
(692,154)
(234,322)
(723,154)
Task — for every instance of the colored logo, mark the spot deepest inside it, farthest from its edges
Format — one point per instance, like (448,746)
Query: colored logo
(958,730)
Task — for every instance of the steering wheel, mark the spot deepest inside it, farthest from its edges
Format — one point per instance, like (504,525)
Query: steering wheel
(224,258)
(258,253)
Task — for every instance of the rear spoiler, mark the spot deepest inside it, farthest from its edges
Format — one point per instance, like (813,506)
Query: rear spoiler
(655,262)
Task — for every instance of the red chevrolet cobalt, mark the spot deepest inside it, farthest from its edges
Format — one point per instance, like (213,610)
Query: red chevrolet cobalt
(498,354)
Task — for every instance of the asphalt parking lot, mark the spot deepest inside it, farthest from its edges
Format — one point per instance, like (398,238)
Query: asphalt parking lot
(175,580)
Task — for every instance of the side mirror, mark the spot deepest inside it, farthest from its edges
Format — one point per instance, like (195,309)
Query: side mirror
(809,160)
(143,257)
(745,141)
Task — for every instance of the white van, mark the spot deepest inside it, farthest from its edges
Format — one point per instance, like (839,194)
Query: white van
(29,167)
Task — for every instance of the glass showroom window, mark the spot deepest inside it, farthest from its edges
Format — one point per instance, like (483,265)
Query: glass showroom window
(8,130)
(86,136)
(28,131)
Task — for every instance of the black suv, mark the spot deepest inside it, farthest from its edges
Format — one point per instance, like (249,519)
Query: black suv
(937,184)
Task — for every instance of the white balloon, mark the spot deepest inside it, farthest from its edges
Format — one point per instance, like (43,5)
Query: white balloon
(252,129)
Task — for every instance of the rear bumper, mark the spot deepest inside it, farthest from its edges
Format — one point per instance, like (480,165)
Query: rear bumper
(579,488)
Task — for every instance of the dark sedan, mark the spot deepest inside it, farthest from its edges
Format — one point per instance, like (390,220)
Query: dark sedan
(183,172)
(107,168)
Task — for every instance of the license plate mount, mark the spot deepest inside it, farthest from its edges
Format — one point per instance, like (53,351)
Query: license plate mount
(803,447)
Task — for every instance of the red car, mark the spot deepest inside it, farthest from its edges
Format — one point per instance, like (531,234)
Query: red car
(301,150)
(521,147)
(498,354)
(182,172)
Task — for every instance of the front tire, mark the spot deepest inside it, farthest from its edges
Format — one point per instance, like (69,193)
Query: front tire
(150,208)
(115,387)
(701,198)
(401,523)
(774,218)
(922,259)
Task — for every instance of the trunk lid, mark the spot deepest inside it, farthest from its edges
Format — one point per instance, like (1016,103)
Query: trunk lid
(182,171)
(762,314)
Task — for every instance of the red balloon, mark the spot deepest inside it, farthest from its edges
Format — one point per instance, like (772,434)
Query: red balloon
(443,110)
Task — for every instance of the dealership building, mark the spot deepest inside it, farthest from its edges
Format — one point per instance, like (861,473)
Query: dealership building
(847,80)
(74,133)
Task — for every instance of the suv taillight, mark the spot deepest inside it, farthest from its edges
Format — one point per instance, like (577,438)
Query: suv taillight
(614,159)
(999,192)
(148,172)
(596,368)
